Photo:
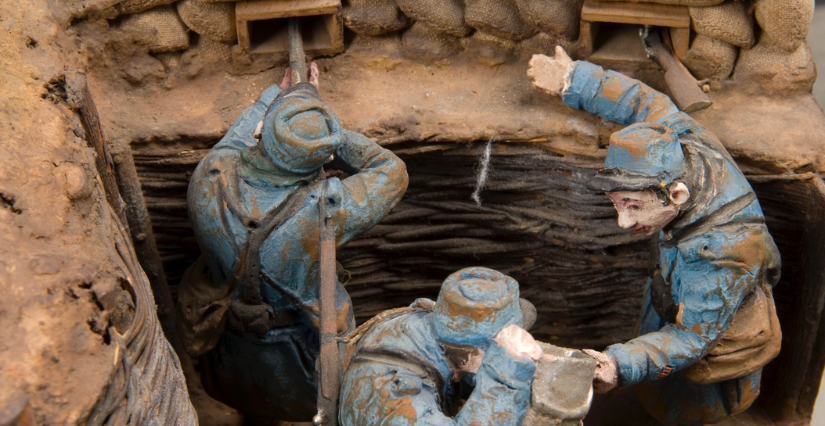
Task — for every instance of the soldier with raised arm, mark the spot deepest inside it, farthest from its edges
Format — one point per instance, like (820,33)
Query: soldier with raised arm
(708,323)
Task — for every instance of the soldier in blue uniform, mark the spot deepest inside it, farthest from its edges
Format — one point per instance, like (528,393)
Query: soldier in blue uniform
(249,307)
(708,323)
(403,366)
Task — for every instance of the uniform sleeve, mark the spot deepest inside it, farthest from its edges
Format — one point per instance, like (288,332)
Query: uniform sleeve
(713,274)
(377,394)
(615,96)
(379,180)
(240,134)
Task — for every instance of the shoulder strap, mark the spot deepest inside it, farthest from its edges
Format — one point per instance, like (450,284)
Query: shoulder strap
(251,314)
(259,231)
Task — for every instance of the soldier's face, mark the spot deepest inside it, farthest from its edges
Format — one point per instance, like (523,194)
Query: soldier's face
(642,211)
(463,359)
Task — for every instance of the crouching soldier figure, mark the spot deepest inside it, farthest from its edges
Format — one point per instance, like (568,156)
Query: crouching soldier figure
(708,323)
(404,365)
(249,307)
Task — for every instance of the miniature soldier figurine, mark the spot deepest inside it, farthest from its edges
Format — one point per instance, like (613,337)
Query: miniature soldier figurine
(404,365)
(708,322)
(250,306)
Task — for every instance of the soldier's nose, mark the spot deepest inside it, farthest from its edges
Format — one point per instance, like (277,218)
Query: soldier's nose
(625,221)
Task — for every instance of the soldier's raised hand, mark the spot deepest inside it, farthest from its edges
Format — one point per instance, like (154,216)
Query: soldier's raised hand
(518,343)
(549,74)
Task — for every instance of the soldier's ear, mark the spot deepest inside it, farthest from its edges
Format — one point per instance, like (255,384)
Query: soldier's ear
(679,193)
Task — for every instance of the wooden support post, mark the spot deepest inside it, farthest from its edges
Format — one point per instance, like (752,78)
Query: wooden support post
(120,177)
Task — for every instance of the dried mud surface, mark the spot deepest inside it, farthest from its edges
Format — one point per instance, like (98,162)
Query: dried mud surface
(53,251)
(64,285)
(376,91)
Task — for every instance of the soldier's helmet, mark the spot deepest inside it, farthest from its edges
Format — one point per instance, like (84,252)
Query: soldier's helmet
(641,156)
(299,132)
(474,305)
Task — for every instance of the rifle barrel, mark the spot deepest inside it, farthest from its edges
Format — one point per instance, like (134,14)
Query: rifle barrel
(297,58)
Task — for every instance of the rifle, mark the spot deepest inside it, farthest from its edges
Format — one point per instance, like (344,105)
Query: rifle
(328,362)
(684,89)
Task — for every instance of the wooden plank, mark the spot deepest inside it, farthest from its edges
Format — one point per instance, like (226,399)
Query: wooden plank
(273,9)
(662,15)
(321,38)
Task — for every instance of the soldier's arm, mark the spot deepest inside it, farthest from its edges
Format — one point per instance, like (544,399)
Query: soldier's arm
(374,394)
(379,180)
(710,293)
(614,96)
(240,134)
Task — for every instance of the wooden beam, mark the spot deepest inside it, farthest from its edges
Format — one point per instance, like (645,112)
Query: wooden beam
(323,31)
(662,15)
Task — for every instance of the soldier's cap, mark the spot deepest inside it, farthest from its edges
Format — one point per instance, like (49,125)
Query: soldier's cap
(641,156)
(474,305)
(300,132)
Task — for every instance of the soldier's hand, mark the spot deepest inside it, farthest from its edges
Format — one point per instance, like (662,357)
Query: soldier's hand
(313,77)
(549,74)
(606,376)
(518,343)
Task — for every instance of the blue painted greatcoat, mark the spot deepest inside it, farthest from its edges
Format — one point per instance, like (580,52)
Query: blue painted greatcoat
(710,268)
(273,375)
(399,375)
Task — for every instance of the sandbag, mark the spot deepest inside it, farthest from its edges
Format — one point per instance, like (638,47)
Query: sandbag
(383,45)
(785,21)
(676,2)
(211,51)
(728,22)
(126,7)
(444,16)
(710,58)
(499,18)
(374,17)
(774,69)
(488,49)
(558,17)
(213,20)
(545,44)
(159,29)
(423,43)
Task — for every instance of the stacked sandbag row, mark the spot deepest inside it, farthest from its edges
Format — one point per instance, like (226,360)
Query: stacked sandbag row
(163,27)
(725,42)
(433,29)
